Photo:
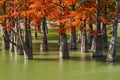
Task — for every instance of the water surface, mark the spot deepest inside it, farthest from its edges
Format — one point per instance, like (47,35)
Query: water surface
(48,66)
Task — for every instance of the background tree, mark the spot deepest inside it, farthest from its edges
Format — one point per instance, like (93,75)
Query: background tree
(73,39)
(97,39)
(111,56)
(5,36)
(104,27)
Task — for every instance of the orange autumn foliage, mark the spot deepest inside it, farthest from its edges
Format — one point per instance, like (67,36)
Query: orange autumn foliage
(2,1)
(60,11)
(103,20)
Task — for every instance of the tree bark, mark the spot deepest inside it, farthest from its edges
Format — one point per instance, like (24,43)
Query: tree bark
(36,35)
(96,46)
(63,50)
(73,44)
(63,45)
(105,36)
(12,35)
(25,49)
(97,39)
(18,48)
(111,56)
(27,52)
(5,42)
(44,43)
(37,28)
(84,44)
(5,36)
(90,36)
(28,37)
(12,39)
(79,36)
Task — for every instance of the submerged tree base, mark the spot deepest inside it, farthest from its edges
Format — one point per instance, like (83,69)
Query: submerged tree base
(64,56)
(28,57)
(110,58)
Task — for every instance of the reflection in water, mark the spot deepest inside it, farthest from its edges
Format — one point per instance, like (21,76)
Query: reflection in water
(50,67)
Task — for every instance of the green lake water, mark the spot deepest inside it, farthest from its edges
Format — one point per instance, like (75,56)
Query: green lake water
(48,66)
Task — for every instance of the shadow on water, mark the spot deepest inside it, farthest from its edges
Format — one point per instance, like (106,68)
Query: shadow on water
(85,58)
(103,59)
(54,57)
(81,58)
(47,59)
(51,46)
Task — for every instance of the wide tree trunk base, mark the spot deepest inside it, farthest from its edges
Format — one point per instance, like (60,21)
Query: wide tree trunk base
(110,58)
(63,48)
(28,57)
(18,50)
(28,53)
(96,48)
(64,55)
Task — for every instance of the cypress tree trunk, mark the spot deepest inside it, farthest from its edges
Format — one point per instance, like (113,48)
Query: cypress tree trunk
(84,46)
(28,37)
(27,52)
(44,44)
(18,47)
(73,44)
(37,28)
(90,36)
(97,39)
(12,35)
(63,50)
(26,49)
(5,41)
(36,35)
(63,45)
(5,36)
(79,35)
(12,39)
(105,36)
(111,56)
(96,46)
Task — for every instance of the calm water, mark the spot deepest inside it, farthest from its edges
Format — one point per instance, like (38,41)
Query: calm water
(48,66)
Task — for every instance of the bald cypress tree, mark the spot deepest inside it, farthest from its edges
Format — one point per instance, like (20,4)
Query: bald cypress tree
(5,36)
(97,39)
(111,56)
